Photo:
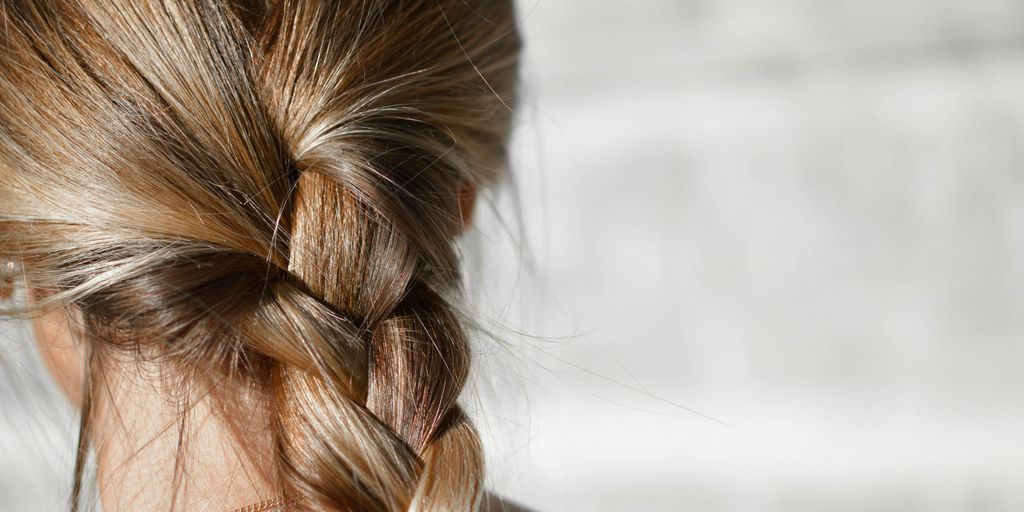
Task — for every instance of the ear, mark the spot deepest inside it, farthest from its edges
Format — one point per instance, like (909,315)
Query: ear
(466,193)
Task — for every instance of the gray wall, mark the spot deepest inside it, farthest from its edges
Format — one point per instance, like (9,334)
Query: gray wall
(802,218)
(771,259)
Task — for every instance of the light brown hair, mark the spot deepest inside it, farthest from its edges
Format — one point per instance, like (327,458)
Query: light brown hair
(266,194)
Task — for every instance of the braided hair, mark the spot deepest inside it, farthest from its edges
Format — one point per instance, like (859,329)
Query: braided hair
(268,193)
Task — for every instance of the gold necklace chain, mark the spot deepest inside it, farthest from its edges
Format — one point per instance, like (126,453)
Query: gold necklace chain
(264,506)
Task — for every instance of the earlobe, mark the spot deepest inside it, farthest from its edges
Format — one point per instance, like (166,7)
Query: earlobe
(467,204)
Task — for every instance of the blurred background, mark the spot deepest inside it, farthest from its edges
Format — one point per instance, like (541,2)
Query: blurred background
(761,255)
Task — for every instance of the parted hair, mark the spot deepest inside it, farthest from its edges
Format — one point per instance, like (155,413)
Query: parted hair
(268,193)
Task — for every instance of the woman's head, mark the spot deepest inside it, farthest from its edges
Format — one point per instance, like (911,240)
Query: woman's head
(264,196)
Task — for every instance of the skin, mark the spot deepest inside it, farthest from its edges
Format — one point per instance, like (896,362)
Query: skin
(60,352)
(135,430)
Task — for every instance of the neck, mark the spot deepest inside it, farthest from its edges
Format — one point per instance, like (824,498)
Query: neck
(151,454)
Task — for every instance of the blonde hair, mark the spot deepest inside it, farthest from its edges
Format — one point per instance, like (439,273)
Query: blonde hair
(268,192)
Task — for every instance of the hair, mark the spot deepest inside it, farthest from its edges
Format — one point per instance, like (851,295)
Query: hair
(267,192)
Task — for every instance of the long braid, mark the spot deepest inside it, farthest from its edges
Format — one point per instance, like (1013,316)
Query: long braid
(418,362)
(372,217)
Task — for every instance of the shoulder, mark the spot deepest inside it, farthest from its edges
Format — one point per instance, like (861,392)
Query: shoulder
(495,503)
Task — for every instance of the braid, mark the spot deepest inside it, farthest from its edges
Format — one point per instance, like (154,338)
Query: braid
(272,196)
(417,363)
(372,215)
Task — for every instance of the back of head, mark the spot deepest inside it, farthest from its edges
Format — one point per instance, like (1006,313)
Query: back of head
(266,193)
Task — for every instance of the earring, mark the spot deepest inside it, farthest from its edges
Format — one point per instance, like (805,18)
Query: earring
(7,275)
